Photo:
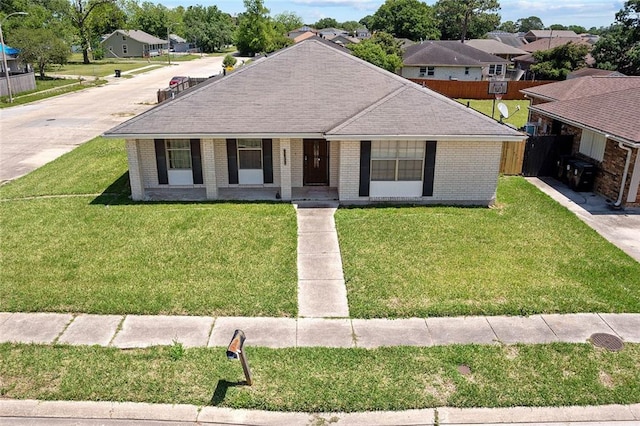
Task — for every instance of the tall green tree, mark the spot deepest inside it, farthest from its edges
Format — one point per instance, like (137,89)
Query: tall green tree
(288,21)
(326,23)
(531,23)
(410,19)
(381,50)
(40,47)
(509,27)
(350,26)
(466,19)
(366,21)
(79,14)
(557,63)
(152,18)
(209,27)
(619,48)
(255,32)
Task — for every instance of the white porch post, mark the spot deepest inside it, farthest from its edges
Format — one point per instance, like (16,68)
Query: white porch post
(285,169)
(135,174)
(209,168)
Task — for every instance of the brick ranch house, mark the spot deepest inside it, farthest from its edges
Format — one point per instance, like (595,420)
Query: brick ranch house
(601,113)
(314,122)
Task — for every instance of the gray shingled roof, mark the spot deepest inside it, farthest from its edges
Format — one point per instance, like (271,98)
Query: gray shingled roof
(141,36)
(447,52)
(310,88)
(582,87)
(615,113)
(494,47)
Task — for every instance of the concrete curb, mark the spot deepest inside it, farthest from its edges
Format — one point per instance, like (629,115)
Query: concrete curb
(130,411)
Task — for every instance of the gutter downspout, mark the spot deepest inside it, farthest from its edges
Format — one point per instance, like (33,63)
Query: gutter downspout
(618,202)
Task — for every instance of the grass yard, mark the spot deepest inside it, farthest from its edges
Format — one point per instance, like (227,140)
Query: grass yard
(324,379)
(59,85)
(516,118)
(527,255)
(101,68)
(71,249)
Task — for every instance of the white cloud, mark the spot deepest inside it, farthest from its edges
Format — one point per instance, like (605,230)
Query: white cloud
(355,4)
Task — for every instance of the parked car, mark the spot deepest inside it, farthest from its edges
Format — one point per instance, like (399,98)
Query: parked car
(177,80)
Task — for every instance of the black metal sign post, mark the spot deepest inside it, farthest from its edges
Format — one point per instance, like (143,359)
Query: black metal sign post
(235,351)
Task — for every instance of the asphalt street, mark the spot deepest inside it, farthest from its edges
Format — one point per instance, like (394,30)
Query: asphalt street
(31,135)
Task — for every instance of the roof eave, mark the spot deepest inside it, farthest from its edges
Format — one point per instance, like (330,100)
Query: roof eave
(265,135)
(608,135)
(465,138)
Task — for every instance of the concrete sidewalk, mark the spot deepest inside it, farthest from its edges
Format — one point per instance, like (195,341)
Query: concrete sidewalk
(18,412)
(135,331)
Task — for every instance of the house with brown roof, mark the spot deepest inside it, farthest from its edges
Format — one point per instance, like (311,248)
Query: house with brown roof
(534,35)
(312,121)
(600,116)
(451,60)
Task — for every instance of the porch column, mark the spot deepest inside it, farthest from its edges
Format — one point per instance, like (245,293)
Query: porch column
(285,169)
(135,174)
(209,168)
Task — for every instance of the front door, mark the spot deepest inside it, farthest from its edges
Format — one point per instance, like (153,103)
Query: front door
(316,162)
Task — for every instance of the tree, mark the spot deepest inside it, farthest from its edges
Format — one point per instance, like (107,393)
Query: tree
(350,26)
(288,20)
(558,27)
(41,47)
(229,61)
(79,13)
(366,21)
(255,32)
(578,29)
(531,23)
(381,50)
(619,48)
(557,63)
(509,27)
(152,18)
(466,19)
(326,23)
(210,28)
(410,19)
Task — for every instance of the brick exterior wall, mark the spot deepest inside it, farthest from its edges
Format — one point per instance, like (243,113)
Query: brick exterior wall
(135,174)
(147,154)
(334,163)
(221,166)
(208,168)
(349,170)
(297,163)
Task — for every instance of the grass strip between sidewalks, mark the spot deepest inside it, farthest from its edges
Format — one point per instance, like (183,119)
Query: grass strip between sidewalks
(323,379)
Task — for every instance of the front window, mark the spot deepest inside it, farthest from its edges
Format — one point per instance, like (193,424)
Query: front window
(431,70)
(124,49)
(397,160)
(250,154)
(495,69)
(423,71)
(178,154)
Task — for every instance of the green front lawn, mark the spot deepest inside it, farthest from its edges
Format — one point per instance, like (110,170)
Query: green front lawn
(61,251)
(526,255)
(47,88)
(101,68)
(324,379)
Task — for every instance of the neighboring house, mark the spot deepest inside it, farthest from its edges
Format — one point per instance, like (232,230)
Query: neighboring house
(363,33)
(299,31)
(312,121)
(132,44)
(593,72)
(179,45)
(304,36)
(524,62)
(511,39)
(451,60)
(534,35)
(600,114)
(332,32)
(494,47)
(343,40)
(21,75)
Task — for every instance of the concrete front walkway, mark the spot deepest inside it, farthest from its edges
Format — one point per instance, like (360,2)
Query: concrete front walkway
(321,289)
(133,331)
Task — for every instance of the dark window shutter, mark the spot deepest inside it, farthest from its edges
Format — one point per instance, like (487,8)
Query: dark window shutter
(232,160)
(429,168)
(196,161)
(365,168)
(267,160)
(161,162)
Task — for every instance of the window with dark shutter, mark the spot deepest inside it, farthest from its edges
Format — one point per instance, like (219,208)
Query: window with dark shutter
(232,160)
(365,168)
(429,168)
(161,162)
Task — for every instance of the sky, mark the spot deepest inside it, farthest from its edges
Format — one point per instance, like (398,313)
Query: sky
(588,13)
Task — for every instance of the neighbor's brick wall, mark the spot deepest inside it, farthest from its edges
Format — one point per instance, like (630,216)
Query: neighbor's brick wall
(296,163)
(334,163)
(609,177)
(466,171)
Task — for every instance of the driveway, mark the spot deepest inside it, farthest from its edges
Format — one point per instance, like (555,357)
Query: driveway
(619,227)
(34,134)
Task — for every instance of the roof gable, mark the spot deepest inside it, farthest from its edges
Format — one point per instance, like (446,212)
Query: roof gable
(309,88)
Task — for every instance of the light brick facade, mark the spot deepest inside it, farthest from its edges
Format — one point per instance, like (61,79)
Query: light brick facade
(465,172)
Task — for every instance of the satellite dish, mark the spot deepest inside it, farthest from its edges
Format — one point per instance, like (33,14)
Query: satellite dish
(503,110)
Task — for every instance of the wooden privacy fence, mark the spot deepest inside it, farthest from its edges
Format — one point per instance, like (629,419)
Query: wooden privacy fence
(476,89)
(171,92)
(512,158)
